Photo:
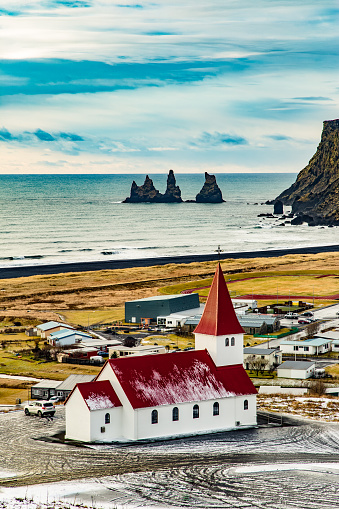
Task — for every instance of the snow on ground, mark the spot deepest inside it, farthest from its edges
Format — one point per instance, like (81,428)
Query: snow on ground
(323,408)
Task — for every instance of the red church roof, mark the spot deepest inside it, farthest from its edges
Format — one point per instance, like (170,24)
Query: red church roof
(219,317)
(169,379)
(98,395)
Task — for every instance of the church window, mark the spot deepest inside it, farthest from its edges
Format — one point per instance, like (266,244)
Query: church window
(196,412)
(175,414)
(246,404)
(216,408)
(107,418)
(227,342)
(232,341)
(154,416)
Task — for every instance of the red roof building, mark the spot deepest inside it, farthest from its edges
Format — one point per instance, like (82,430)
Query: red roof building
(219,317)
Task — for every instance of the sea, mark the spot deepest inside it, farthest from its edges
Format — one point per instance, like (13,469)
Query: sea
(48,219)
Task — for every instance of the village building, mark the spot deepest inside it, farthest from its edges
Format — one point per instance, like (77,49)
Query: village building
(296,369)
(121,351)
(333,336)
(146,311)
(45,389)
(45,329)
(171,394)
(66,337)
(262,358)
(64,389)
(258,323)
(314,346)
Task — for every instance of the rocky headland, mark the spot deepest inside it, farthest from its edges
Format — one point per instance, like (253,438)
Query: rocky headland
(314,196)
(147,193)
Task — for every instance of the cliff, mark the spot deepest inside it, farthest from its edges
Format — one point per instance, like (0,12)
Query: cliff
(147,193)
(315,193)
(210,192)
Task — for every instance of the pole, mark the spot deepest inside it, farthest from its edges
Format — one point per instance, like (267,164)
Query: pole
(277,294)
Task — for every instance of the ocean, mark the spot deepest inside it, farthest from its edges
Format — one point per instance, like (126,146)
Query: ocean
(48,219)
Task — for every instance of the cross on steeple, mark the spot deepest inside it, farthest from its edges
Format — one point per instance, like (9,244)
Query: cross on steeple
(219,251)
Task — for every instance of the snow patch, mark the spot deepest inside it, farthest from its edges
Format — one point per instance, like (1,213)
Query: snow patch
(98,401)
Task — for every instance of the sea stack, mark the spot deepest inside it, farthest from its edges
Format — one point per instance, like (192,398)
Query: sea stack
(147,193)
(314,196)
(210,192)
(173,193)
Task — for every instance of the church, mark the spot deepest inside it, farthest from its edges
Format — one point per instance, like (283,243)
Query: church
(166,395)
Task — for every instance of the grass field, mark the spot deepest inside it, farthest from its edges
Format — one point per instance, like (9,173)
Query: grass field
(95,316)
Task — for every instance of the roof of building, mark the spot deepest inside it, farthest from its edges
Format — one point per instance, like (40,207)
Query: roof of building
(257,319)
(260,351)
(162,297)
(167,379)
(316,341)
(63,333)
(219,317)
(140,348)
(98,395)
(332,334)
(51,325)
(47,384)
(296,365)
(72,380)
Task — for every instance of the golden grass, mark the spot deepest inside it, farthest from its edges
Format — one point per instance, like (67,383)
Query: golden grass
(9,396)
(172,340)
(95,316)
(333,370)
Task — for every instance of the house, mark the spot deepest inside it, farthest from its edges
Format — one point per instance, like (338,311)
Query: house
(296,369)
(314,346)
(66,337)
(171,394)
(64,388)
(45,329)
(121,351)
(269,358)
(45,389)
(80,355)
(162,305)
(258,323)
(179,319)
(333,336)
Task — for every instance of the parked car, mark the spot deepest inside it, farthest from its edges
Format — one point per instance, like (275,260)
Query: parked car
(308,314)
(304,321)
(54,399)
(40,408)
(291,315)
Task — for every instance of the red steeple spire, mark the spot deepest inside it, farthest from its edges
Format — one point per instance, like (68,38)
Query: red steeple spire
(219,317)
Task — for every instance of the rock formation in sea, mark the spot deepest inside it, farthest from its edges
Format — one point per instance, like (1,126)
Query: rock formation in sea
(314,196)
(210,192)
(278,207)
(173,193)
(147,193)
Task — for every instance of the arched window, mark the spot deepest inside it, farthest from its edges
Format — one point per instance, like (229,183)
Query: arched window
(107,418)
(246,404)
(232,341)
(175,414)
(216,408)
(227,341)
(196,412)
(154,416)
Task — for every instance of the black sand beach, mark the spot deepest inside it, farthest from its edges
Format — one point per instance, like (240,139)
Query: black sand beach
(26,271)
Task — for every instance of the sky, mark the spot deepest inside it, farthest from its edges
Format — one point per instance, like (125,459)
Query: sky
(116,86)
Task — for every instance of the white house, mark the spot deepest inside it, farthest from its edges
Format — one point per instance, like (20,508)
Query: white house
(333,336)
(47,328)
(66,337)
(313,346)
(269,357)
(122,351)
(171,394)
(296,369)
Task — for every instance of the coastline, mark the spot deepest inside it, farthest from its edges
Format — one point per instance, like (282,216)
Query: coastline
(34,270)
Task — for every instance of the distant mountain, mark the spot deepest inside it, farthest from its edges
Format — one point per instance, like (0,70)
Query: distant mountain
(314,196)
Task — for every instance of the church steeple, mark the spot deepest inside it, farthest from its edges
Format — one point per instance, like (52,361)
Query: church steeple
(219,317)
(219,330)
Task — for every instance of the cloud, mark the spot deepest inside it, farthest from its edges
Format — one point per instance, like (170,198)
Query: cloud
(216,138)
(131,6)
(71,137)
(279,137)
(312,98)
(43,135)
(73,3)
(6,135)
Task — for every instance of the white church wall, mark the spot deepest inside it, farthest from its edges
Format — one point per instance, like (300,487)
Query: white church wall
(246,417)
(128,418)
(186,425)
(103,431)
(224,350)
(77,418)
